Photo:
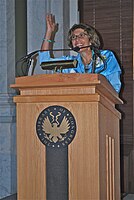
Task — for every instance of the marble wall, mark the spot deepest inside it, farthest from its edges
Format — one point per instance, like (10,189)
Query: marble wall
(66,13)
(7,107)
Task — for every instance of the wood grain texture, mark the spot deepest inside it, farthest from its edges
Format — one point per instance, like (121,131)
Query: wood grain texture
(89,177)
(31,164)
(93,107)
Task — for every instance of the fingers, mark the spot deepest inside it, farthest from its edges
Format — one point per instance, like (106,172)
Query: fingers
(53,18)
(50,19)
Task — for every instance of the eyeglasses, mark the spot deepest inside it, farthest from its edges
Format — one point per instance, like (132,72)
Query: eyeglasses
(81,36)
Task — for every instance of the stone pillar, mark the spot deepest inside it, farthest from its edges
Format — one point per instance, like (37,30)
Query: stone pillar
(65,11)
(7,107)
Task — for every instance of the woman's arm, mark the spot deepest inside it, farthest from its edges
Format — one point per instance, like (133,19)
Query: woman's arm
(51,29)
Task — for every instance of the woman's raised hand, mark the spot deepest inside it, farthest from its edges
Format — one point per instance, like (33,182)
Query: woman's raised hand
(50,23)
(51,29)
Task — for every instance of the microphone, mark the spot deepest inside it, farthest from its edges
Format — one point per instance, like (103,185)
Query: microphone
(28,56)
(78,48)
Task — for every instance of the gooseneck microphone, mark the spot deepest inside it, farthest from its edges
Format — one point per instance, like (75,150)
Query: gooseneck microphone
(28,56)
(78,48)
(27,59)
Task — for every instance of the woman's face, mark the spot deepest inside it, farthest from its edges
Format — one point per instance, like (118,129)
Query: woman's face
(80,39)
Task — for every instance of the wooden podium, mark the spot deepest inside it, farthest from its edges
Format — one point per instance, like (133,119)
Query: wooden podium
(94,153)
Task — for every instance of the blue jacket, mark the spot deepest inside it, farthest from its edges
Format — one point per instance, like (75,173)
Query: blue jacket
(112,71)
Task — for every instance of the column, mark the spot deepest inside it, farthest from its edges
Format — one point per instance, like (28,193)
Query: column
(7,107)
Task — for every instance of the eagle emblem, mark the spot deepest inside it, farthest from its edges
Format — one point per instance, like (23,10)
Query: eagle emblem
(55,131)
(56,126)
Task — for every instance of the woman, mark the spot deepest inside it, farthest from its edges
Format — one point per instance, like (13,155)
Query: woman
(85,40)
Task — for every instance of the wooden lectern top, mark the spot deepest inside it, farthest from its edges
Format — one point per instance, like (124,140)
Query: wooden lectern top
(55,84)
(60,79)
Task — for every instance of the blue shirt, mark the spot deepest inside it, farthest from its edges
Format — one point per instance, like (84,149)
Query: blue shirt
(111,72)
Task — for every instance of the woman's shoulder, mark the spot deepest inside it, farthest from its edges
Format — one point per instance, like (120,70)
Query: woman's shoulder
(106,52)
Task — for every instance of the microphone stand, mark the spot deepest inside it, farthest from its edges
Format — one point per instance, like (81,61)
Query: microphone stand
(28,58)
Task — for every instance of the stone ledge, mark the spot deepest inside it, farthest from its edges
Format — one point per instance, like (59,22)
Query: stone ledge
(11,197)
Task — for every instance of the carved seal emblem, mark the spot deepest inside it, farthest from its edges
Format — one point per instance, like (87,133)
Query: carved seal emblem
(56,126)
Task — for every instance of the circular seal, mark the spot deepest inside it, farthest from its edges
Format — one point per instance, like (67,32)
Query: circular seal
(56,126)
